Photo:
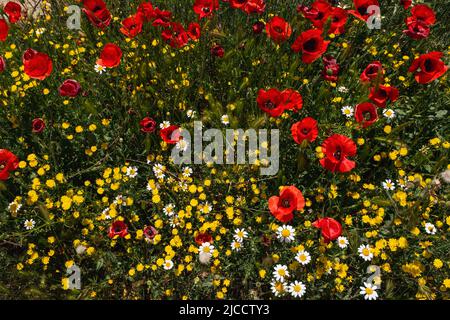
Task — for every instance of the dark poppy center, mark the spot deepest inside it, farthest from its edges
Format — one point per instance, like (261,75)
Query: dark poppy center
(373,70)
(286,203)
(429,65)
(362,10)
(278,29)
(206,10)
(338,154)
(269,105)
(367,115)
(310,45)
(305,131)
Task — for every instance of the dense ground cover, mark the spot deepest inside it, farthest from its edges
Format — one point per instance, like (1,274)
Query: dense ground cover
(87,179)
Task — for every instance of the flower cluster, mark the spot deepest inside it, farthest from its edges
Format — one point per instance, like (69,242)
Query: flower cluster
(89,119)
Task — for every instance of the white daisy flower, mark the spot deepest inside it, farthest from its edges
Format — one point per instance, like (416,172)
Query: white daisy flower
(369,291)
(389,113)
(168,264)
(186,172)
(158,170)
(297,289)
(303,257)
(342,242)
(280,272)
(365,252)
(285,233)
(132,172)
(240,234)
(29,224)
(342,89)
(14,207)
(40,31)
(347,111)
(174,222)
(225,119)
(278,288)
(164,124)
(190,114)
(182,145)
(206,248)
(105,212)
(99,69)
(236,245)
(169,210)
(430,228)
(205,208)
(388,184)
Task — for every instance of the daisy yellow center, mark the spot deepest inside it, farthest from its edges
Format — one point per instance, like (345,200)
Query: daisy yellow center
(297,288)
(240,234)
(303,257)
(206,249)
(366,252)
(285,233)
(282,272)
(279,287)
(369,291)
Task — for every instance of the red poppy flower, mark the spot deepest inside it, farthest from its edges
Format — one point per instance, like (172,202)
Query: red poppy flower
(258,27)
(361,7)
(417,30)
(305,129)
(69,88)
(161,18)
(132,26)
(373,71)
(282,207)
(311,44)
(38,125)
(2,64)
(330,228)
(217,51)
(291,100)
(110,56)
(150,233)
(118,228)
(194,31)
(366,114)
(203,237)
(8,162)
(205,8)
(381,95)
(336,149)
(238,4)
(406,3)
(97,13)
(13,11)
(175,35)
(171,134)
(145,10)
(278,29)
(148,125)
(318,13)
(37,65)
(254,6)
(270,102)
(428,67)
(338,18)
(330,69)
(422,13)
(4,28)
